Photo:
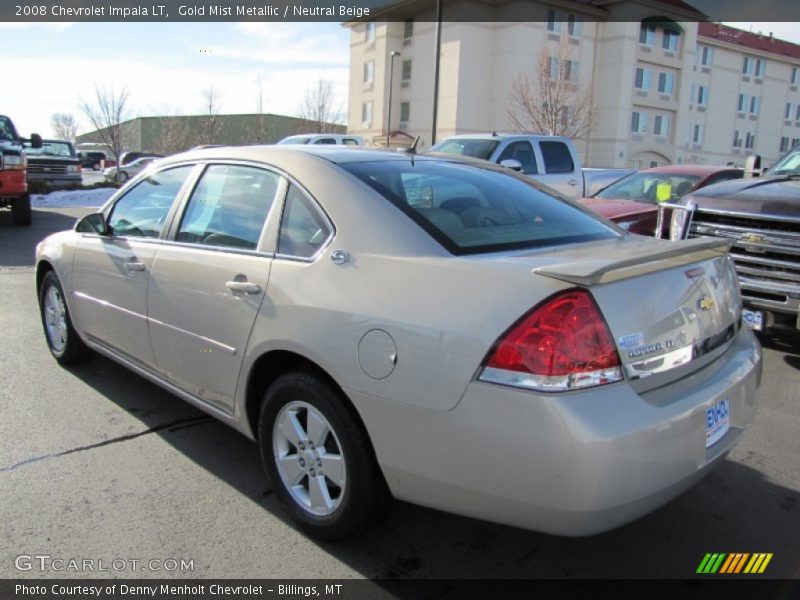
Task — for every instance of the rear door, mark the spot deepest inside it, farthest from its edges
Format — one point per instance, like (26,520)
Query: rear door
(111,272)
(559,168)
(209,280)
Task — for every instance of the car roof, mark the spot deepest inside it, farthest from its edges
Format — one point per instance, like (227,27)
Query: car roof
(701,170)
(335,154)
(503,136)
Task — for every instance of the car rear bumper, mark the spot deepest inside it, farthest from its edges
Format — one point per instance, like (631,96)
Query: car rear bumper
(568,464)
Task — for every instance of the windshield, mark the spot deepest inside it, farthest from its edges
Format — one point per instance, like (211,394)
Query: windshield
(58,149)
(7,131)
(788,165)
(296,139)
(470,210)
(650,188)
(476,148)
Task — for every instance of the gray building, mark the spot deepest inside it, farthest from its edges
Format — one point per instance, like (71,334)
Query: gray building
(171,134)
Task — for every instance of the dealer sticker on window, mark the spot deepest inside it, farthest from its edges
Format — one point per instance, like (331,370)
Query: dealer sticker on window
(718,421)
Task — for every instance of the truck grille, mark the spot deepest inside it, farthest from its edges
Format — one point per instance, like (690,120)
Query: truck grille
(766,253)
(47,169)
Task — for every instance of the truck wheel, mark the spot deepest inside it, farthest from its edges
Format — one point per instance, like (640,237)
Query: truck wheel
(21,210)
(319,458)
(65,344)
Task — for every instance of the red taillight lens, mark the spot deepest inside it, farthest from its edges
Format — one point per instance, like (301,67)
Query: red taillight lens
(564,344)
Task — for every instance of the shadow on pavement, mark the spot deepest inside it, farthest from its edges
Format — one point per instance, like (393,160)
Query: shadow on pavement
(18,244)
(734,509)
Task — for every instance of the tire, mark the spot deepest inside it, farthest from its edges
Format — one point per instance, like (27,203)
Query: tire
(21,210)
(64,343)
(123,177)
(342,464)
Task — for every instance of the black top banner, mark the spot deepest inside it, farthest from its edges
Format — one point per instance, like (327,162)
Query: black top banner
(389,10)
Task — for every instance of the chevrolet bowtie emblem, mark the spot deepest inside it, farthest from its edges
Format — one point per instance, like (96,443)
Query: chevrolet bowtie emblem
(705,303)
(753,238)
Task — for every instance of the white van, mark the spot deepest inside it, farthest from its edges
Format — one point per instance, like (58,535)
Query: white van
(324,138)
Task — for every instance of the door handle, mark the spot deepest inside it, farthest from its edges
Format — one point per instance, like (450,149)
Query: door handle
(135,266)
(243,286)
(573,182)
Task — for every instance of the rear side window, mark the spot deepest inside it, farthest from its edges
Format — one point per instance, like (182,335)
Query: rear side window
(229,207)
(470,210)
(557,158)
(303,229)
(143,210)
(350,142)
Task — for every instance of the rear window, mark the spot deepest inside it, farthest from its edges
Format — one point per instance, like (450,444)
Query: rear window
(477,148)
(470,210)
(557,158)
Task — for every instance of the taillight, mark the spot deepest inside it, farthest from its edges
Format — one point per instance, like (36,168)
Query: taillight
(563,344)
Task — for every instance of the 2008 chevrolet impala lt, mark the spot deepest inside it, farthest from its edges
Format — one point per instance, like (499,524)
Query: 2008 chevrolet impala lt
(390,325)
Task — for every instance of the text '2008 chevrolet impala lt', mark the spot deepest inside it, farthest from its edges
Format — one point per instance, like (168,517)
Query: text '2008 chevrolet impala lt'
(390,325)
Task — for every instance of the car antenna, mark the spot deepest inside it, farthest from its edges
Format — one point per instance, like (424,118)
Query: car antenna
(413,148)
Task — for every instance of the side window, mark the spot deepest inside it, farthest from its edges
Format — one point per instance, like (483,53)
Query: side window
(523,152)
(725,176)
(143,210)
(557,158)
(349,142)
(326,141)
(303,230)
(229,207)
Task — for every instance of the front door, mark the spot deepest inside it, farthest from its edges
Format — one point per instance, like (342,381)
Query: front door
(111,272)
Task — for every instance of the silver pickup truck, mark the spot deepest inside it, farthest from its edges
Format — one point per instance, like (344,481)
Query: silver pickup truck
(551,160)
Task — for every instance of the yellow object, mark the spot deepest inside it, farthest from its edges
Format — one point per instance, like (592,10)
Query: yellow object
(663,191)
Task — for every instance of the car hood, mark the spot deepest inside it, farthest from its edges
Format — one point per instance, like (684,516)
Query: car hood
(776,196)
(615,209)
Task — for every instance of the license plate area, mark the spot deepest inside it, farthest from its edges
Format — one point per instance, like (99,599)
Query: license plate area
(718,421)
(754,319)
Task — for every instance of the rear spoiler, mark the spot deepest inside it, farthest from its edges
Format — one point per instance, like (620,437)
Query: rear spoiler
(660,257)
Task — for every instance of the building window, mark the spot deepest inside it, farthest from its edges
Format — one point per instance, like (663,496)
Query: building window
(408,30)
(670,41)
(742,103)
(369,74)
(747,66)
(737,139)
(666,83)
(795,141)
(370,35)
(407,70)
(761,66)
(697,134)
(574,25)
(702,95)
(789,111)
(797,113)
(795,75)
(553,24)
(755,105)
(366,114)
(784,144)
(647,35)
(405,113)
(570,70)
(753,66)
(750,140)
(553,74)
(642,79)
(639,122)
(661,125)
(705,55)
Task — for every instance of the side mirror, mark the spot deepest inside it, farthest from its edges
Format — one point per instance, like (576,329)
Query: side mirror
(511,163)
(94,223)
(36,140)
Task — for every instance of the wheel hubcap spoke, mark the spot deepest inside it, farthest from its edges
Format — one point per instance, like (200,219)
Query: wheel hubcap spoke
(333,468)
(319,495)
(294,472)
(55,315)
(317,428)
(291,428)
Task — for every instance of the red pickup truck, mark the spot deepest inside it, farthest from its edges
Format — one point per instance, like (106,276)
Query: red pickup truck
(13,164)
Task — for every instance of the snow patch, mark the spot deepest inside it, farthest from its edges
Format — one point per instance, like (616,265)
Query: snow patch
(72,198)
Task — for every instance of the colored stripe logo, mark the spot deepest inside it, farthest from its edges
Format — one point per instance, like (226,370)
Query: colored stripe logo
(734,563)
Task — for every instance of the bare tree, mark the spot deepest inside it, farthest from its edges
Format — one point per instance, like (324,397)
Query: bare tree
(319,108)
(64,126)
(174,134)
(263,130)
(211,123)
(551,100)
(107,113)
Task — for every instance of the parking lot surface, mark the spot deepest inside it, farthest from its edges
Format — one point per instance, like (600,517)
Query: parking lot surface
(97,463)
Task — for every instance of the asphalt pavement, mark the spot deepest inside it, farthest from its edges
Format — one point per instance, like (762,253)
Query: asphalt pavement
(96,463)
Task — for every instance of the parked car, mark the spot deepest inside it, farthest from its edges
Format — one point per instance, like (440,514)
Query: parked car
(551,160)
(132,169)
(761,218)
(55,163)
(632,202)
(128,157)
(13,172)
(95,160)
(381,335)
(324,138)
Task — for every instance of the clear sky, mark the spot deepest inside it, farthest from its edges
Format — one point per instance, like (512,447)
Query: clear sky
(166,66)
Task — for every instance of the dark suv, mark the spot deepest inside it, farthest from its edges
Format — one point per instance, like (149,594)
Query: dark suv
(129,157)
